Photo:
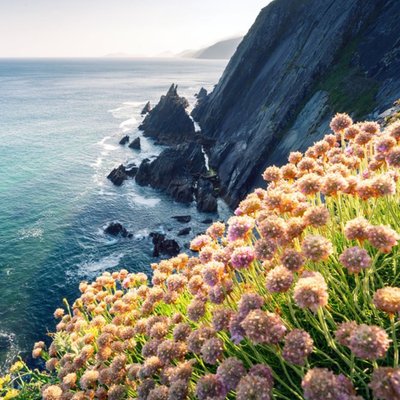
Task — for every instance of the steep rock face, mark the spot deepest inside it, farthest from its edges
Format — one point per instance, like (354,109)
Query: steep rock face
(301,61)
(168,122)
(175,170)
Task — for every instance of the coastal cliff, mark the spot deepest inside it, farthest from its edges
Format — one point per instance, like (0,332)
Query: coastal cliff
(301,61)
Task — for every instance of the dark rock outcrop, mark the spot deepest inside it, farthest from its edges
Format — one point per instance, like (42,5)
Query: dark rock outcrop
(164,246)
(206,198)
(301,61)
(124,140)
(118,175)
(184,231)
(175,171)
(146,109)
(135,144)
(168,122)
(117,229)
(182,218)
(201,103)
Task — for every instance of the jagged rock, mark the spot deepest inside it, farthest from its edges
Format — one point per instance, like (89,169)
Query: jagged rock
(200,104)
(135,144)
(168,122)
(146,109)
(124,140)
(292,71)
(164,246)
(175,171)
(184,231)
(117,229)
(118,175)
(205,196)
(207,221)
(182,218)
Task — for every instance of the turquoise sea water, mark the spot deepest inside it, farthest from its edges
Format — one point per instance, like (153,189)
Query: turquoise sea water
(60,122)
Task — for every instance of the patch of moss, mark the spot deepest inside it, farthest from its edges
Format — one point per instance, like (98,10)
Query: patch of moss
(348,86)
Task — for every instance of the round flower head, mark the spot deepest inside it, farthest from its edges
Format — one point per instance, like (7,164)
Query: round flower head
(212,350)
(179,390)
(384,144)
(263,327)
(181,332)
(197,338)
(351,132)
(221,318)
(216,230)
(199,242)
(239,227)
(371,127)
(265,249)
(393,157)
(292,260)
(321,383)
(231,370)
(272,228)
(385,383)
(317,216)
(333,183)
(264,371)
(307,164)
(394,130)
(210,387)
(387,299)
(158,393)
(235,329)
(383,185)
(89,379)
(356,229)
(145,387)
(242,257)
(309,184)
(369,342)
(253,387)
(316,247)
(196,309)
(383,238)
(344,331)
(295,227)
(298,346)
(355,259)
(340,122)
(279,279)
(272,174)
(52,392)
(311,291)
(249,302)
(213,272)
(295,157)
(289,172)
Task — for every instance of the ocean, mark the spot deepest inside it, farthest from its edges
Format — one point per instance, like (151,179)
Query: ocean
(60,123)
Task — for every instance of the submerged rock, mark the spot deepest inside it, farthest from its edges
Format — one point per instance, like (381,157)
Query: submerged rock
(146,109)
(164,246)
(117,229)
(135,144)
(182,218)
(168,122)
(184,231)
(124,140)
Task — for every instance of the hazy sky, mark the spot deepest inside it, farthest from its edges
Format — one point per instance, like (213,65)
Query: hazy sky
(57,28)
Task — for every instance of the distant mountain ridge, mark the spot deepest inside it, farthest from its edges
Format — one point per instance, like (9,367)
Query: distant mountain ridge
(223,50)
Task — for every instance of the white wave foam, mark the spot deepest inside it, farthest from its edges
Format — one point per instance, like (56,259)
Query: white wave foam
(92,267)
(143,201)
(102,141)
(33,232)
(128,124)
(8,342)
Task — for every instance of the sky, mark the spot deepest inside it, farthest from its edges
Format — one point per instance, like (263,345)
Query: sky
(94,28)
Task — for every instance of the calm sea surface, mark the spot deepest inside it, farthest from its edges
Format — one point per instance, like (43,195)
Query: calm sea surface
(60,123)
